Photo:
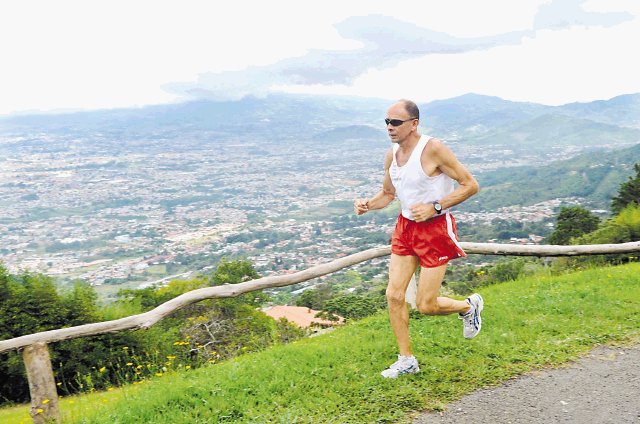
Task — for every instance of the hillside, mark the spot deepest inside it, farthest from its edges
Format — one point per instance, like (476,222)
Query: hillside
(551,131)
(528,324)
(621,110)
(474,114)
(594,176)
(351,132)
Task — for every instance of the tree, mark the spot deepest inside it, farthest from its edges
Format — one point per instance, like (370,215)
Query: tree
(81,304)
(315,298)
(629,192)
(234,272)
(354,306)
(223,328)
(30,303)
(629,217)
(573,221)
(507,270)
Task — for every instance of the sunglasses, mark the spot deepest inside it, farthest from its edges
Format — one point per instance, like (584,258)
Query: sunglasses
(397,122)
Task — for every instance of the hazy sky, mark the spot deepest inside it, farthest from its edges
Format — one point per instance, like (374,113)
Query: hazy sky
(62,54)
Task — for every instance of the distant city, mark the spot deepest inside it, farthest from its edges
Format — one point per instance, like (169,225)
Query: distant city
(123,208)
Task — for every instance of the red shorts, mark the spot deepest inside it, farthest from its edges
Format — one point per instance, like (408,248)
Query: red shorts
(434,242)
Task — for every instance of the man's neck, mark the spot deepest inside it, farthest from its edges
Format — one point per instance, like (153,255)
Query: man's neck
(410,142)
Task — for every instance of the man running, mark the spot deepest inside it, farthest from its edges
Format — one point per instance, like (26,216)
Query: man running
(421,171)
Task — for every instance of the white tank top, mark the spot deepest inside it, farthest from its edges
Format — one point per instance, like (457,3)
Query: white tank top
(413,185)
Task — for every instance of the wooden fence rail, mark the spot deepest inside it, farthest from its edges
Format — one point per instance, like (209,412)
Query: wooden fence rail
(36,355)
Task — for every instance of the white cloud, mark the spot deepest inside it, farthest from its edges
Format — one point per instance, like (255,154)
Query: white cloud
(83,54)
(553,67)
(88,54)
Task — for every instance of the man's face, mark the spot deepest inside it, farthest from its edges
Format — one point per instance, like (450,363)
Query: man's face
(398,133)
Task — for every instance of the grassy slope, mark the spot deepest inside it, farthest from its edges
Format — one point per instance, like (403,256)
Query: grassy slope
(528,324)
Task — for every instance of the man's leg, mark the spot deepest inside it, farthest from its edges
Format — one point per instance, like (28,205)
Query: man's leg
(427,300)
(401,268)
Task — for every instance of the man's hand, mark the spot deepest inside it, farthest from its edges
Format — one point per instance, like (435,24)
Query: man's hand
(422,211)
(361,206)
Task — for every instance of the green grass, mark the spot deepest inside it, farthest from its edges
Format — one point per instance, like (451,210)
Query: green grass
(73,408)
(334,378)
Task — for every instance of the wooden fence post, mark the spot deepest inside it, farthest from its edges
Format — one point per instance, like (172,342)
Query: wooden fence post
(42,385)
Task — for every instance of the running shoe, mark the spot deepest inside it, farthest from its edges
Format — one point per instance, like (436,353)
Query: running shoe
(471,321)
(404,365)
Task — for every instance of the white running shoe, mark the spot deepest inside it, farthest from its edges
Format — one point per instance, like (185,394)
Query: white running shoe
(404,365)
(471,321)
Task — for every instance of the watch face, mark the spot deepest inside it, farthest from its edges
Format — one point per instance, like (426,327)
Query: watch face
(437,206)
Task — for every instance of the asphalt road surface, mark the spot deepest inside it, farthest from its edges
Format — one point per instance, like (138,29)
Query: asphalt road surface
(602,387)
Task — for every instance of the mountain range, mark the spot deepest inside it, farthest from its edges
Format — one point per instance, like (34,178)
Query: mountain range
(469,118)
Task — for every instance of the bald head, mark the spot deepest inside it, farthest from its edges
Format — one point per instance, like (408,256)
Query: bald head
(410,107)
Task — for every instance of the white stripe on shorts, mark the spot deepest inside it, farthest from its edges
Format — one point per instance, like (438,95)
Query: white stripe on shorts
(451,233)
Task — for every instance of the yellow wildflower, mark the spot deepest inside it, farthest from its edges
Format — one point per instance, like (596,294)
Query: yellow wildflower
(129,363)
(44,402)
(103,369)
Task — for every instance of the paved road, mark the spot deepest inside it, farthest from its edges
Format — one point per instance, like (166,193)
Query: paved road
(602,387)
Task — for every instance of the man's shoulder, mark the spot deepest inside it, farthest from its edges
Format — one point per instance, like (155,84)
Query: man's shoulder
(435,145)
(437,151)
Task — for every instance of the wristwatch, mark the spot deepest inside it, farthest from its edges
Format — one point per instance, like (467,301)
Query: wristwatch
(438,207)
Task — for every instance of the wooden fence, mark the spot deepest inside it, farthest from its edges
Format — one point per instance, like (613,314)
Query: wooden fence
(42,386)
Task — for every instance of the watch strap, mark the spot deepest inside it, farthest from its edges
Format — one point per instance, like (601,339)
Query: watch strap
(437,206)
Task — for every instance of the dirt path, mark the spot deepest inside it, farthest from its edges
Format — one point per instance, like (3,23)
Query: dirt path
(602,387)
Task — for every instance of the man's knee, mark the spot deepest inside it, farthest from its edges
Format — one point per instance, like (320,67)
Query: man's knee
(395,296)
(428,307)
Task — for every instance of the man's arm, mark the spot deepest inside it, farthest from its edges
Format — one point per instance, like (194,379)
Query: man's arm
(385,196)
(450,165)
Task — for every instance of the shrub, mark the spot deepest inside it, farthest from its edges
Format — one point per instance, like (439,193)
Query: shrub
(629,217)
